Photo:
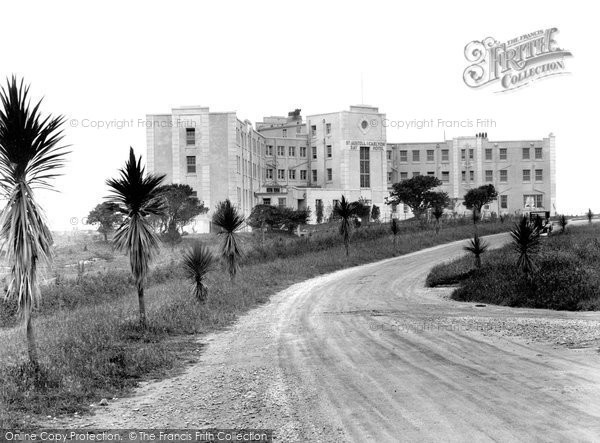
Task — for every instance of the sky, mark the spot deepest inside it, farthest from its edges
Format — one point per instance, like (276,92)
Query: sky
(110,63)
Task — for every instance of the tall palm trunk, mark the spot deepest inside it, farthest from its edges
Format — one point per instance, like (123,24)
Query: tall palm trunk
(31,343)
(142,304)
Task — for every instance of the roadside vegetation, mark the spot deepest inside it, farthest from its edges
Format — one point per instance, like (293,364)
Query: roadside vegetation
(556,272)
(90,342)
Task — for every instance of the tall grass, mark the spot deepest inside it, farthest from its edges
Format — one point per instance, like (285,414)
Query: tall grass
(568,276)
(94,348)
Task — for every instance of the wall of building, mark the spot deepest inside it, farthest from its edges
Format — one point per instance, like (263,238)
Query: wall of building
(476,161)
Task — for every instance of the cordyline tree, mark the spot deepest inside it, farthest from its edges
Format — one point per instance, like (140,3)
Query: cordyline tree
(138,197)
(477,198)
(438,202)
(30,154)
(229,220)
(416,192)
(526,240)
(107,215)
(197,262)
(345,211)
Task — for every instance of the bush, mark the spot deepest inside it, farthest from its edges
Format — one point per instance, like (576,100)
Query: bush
(568,276)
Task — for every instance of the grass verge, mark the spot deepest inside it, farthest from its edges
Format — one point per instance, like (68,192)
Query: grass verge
(568,276)
(91,348)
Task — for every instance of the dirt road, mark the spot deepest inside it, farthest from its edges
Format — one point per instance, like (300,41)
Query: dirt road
(369,354)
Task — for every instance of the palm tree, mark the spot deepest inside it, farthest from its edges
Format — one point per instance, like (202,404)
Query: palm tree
(29,156)
(197,261)
(563,222)
(345,211)
(395,228)
(526,240)
(477,247)
(229,220)
(138,196)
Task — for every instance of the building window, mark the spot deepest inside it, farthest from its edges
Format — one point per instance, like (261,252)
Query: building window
(430,155)
(266,201)
(365,167)
(298,129)
(445,176)
(503,154)
(269,150)
(313,130)
(526,175)
(389,177)
(463,176)
(403,156)
(314,175)
(431,173)
(314,152)
(327,128)
(285,133)
(292,151)
(488,154)
(489,176)
(445,155)
(526,154)
(281,174)
(503,201)
(190,136)
(281,201)
(533,200)
(416,156)
(292,174)
(472,175)
(538,153)
(329,153)
(539,175)
(191,164)
(416,174)
(239,196)
(403,175)
(504,175)
(269,174)
(238,162)
(281,150)
(471,154)
(388,155)
(329,174)
(302,151)
(463,154)
(302,174)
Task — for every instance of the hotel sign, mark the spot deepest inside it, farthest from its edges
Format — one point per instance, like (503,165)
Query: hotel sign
(354,144)
(516,62)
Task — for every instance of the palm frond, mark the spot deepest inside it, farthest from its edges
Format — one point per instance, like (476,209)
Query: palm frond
(229,220)
(197,262)
(27,240)
(525,239)
(29,158)
(30,149)
(476,245)
(138,196)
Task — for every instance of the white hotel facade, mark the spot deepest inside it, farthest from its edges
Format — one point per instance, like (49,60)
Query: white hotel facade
(297,162)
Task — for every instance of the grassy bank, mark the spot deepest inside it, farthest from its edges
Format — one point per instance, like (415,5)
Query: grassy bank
(91,347)
(568,276)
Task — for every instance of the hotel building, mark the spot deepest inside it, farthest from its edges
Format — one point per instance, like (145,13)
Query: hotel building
(299,163)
